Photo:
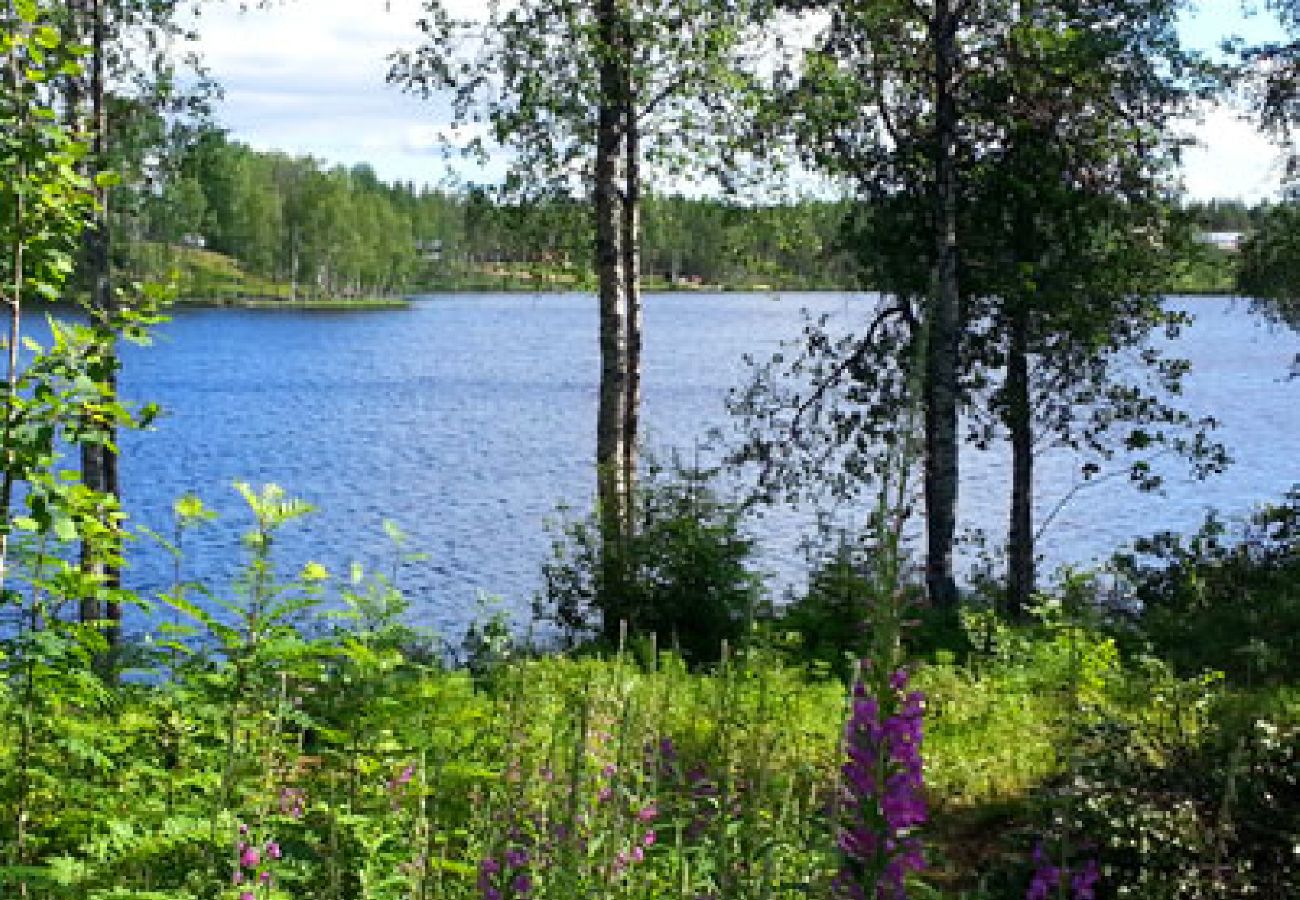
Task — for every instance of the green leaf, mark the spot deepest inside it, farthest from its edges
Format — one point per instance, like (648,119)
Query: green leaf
(314,571)
(65,529)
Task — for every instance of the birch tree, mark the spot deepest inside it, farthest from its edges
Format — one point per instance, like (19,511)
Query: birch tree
(1058,194)
(589,98)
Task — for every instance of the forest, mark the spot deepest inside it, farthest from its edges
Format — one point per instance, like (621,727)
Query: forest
(294,229)
(1003,181)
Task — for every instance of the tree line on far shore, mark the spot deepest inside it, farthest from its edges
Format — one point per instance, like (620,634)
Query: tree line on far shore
(312,229)
(303,228)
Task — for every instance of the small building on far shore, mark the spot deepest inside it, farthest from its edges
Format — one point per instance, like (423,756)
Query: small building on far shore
(1228,241)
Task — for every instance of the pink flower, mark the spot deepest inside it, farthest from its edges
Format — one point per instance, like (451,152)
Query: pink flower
(273,850)
(250,858)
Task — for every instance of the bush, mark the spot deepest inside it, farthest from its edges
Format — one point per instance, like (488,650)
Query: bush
(1212,819)
(1227,599)
(683,575)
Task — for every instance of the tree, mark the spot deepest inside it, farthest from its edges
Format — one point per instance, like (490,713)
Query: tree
(106,117)
(882,99)
(1270,265)
(1073,235)
(588,94)
(1062,203)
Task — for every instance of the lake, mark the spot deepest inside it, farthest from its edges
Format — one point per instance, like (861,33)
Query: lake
(468,418)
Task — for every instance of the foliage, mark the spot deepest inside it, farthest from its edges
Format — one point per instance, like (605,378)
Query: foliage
(682,575)
(1226,597)
(305,722)
(1205,818)
(1268,265)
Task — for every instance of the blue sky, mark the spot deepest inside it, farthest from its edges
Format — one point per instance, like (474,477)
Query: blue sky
(307,77)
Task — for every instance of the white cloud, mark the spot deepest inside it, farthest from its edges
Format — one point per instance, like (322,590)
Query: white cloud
(308,76)
(1233,160)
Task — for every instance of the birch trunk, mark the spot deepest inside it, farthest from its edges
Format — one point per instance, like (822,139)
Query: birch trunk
(99,461)
(632,277)
(612,291)
(942,337)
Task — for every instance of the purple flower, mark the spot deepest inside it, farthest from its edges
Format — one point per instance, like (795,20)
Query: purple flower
(522,885)
(883,791)
(273,850)
(649,839)
(1048,878)
(247,895)
(648,813)
(1085,881)
(516,858)
(250,858)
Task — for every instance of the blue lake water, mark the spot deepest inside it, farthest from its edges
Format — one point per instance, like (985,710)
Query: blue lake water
(468,418)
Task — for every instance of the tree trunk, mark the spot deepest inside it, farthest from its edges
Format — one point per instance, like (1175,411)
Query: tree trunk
(942,334)
(632,277)
(612,289)
(99,461)
(1020,563)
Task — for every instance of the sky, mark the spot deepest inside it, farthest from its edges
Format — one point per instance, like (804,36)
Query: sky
(307,77)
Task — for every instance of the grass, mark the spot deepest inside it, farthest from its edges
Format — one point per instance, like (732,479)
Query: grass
(206,278)
(308,723)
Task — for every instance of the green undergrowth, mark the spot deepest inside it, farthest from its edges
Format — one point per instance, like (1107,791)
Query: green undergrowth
(296,739)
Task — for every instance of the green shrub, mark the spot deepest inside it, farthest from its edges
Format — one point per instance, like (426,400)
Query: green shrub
(1225,599)
(683,575)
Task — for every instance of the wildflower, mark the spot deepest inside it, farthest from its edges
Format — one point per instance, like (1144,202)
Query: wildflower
(516,858)
(292,802)
(1049,879)
(649,839)
(648,813)
(883,791)
(522,885)
(273,850)
(486,870)
(1085,881)
(250,858)
(247,895)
